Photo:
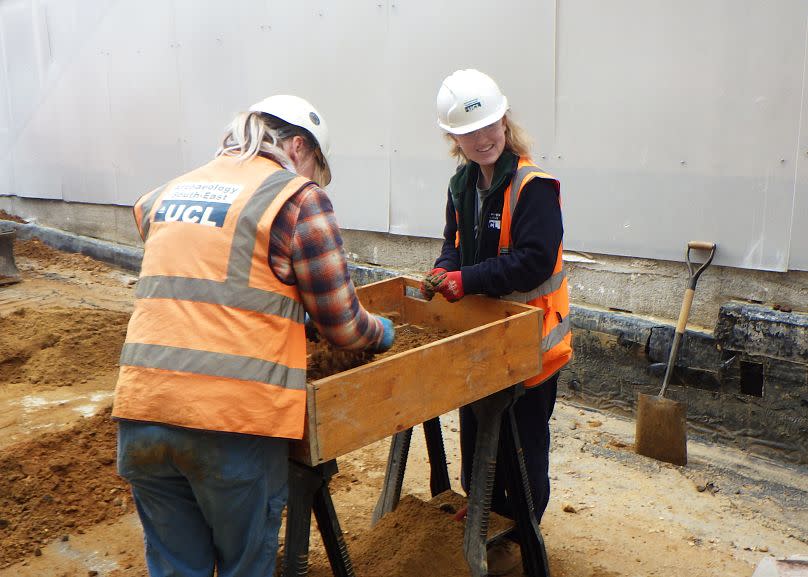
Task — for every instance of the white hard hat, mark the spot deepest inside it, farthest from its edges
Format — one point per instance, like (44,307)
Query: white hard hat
(297,111)
(469,100)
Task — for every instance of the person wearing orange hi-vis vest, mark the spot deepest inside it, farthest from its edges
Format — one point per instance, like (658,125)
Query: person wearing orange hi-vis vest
(503,238)
(238,254)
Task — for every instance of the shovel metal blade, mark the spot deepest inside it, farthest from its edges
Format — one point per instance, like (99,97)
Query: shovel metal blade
(661,429)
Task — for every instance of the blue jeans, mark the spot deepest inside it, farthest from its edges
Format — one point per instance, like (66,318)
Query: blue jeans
(205,499)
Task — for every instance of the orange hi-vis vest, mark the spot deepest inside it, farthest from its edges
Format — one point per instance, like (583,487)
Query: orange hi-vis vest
(552,295)
(216,341)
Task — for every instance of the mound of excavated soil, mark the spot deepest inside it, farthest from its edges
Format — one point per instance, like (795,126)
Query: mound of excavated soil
(12,217)
(59,483)
(58,347)
(416,539)
(46,256)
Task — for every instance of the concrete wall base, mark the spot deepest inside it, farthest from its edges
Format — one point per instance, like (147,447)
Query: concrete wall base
(641,286)
(734,394)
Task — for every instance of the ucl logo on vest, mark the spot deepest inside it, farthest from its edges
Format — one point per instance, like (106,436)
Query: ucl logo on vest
(204,203)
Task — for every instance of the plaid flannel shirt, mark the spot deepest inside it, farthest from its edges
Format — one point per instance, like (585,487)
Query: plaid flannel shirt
(306,250)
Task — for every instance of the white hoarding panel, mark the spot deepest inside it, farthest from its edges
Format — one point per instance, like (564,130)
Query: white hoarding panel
(34,175)
(20,49)
(798,256)
(665,122)
(338,59)
(143,124)
(6,131)
(512,41)
(678,121)
(43,148)
(212,65)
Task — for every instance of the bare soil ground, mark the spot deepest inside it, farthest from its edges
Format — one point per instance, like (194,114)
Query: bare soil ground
(65,513)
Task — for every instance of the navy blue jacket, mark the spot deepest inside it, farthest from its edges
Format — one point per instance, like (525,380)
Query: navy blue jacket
(536,230)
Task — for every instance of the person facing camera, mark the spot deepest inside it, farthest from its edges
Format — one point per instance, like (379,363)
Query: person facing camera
(503,239)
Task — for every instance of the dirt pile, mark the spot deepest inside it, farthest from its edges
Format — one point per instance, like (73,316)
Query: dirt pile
(59,483)
(59,347)
(12,217)
(418,538)
(48,257)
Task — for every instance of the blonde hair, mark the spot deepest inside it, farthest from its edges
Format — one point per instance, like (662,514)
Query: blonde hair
(516,140)
(256,133)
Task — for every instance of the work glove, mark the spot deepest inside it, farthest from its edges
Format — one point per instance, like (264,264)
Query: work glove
(427,287)
(312,334)
(450,285)
(388,335)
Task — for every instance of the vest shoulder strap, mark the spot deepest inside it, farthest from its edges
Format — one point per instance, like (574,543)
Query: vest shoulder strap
(525,172)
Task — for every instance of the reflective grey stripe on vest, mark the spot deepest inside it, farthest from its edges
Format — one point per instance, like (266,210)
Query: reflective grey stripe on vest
(556,335)
(516,184)
(549,286)
(146,209)
(212,364)
(241,252)
(220,293)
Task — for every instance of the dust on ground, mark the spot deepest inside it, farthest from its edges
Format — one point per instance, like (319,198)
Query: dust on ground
(611,512)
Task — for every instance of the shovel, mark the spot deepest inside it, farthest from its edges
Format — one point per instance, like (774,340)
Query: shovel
(661,429)
(8,270)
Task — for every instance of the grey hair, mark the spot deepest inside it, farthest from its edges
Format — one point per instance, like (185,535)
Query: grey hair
(248,135)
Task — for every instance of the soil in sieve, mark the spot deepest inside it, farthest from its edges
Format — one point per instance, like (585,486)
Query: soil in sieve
(324,360)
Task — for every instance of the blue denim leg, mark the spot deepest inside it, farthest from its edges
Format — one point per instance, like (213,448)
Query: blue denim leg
(205,499)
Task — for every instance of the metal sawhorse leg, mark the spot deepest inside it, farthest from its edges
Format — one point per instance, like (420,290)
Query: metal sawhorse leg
(397,463)
(496,431)
(308,491)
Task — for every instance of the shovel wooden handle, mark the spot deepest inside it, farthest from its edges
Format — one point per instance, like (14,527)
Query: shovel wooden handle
(684,312)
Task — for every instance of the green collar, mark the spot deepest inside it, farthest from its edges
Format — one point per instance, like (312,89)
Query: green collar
(466,176)
(464,195)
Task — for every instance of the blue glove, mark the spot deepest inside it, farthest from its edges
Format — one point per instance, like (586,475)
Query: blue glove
(387,337)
